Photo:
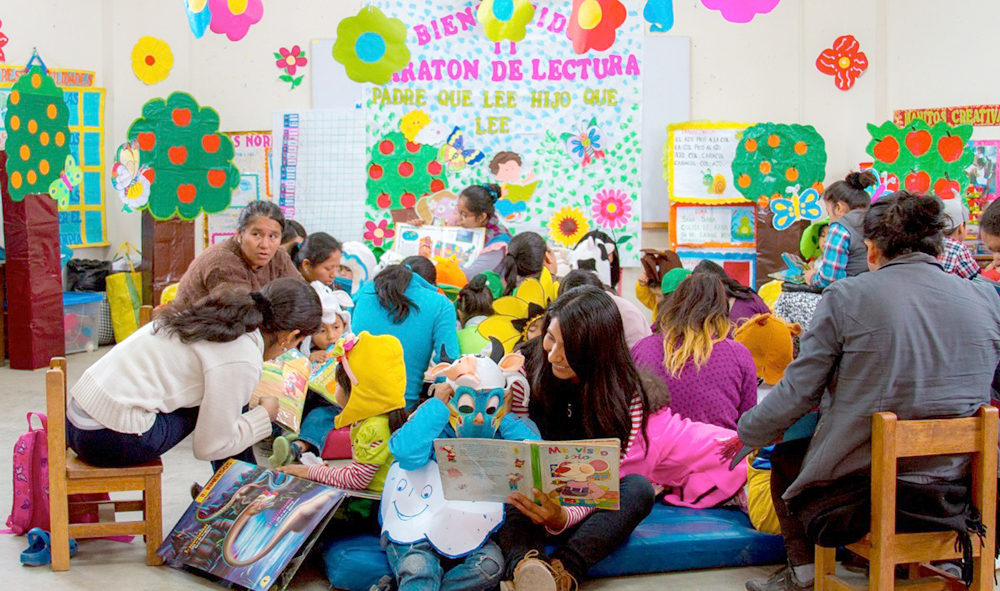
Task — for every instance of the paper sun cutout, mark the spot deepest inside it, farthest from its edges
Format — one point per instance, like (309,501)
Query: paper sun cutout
(740,11)
(38,135)
(659,14)
(3,42)
(844,61)
(505,19)
(594,23)
(233,18)
(290,60)
(378,233)
(612,208)
(371,46)
(152,60)
(567,226)
(199,16)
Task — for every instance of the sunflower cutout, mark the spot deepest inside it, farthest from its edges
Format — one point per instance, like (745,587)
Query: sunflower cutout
(506,19)
(516,314)
(568,226)
(152,60)
(371,46)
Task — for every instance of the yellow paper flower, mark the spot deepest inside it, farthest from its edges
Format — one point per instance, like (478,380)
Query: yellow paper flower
(152,60)
(568,226)
(506,19)
(515,314)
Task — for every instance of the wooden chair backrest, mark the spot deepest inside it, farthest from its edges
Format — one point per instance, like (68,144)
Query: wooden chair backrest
(55,405)
(145,315)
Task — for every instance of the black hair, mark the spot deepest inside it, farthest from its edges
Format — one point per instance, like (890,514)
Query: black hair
(578,277)
(608,246)
(989,221)
(397,418)
(422,266)
(902,223)
(734,289)
(851,190)
(390,287)
(525,258)
(316,248)
(292,231)
(475,299)
(594,342)
(283,305)
(256,209)
(481,199)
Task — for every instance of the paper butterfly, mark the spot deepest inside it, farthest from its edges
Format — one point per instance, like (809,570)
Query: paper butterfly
(586,145)
(456,154)
(794,207)
(876,191)
(794,271)
(131,180)
(71,177)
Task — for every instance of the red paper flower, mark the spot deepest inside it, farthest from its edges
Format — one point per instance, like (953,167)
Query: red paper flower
(844,61)
(594,23)
(3,41)
(290,59)
(378,233)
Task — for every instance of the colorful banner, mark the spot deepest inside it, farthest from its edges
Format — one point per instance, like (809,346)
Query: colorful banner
(9,75)
(560,132)
(977,115)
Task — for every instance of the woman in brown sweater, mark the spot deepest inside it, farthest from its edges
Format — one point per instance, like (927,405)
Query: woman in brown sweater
(249,260)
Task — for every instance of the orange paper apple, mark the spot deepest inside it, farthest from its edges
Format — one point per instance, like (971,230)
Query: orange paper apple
(918,182)
(887,150)
(950,148)
(918,142)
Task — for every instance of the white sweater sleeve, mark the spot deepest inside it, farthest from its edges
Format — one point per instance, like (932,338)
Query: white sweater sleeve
(223,429)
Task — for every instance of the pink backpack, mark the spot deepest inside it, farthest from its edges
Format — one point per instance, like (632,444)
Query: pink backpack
(31,480)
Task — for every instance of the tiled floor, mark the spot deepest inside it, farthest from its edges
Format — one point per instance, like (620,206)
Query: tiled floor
(102,564)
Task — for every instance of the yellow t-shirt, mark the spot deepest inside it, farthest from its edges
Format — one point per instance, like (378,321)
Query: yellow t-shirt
(370,445)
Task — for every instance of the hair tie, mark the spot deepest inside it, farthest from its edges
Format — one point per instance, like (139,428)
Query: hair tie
(264,306)
(407,265)
(492,191)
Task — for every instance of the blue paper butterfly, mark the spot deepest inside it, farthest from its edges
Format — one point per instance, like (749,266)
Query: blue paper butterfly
(456,154)
(586,145)
(795,207)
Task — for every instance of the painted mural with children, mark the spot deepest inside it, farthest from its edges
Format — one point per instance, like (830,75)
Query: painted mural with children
(553,118)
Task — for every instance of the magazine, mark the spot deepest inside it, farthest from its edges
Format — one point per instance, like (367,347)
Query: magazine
(572,473)
(250,526)
(447,242)
(794,271)
(287,379)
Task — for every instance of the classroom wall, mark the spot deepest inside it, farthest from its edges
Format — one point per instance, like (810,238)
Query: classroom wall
(922,53)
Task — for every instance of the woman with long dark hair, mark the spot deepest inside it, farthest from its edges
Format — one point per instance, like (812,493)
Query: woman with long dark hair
(583,386)
(318,258)
(711,378)
(192,370)
(744,303)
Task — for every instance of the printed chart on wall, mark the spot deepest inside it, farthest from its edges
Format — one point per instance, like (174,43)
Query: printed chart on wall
(252,157)
(320,158)
(699,158)
(552,119)
(708,226)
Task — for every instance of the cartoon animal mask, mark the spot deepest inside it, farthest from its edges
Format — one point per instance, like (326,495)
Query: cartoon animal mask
(594,255)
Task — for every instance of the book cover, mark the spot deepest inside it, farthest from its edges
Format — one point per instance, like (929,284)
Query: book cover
(250,526)
(287,379)
(572,473)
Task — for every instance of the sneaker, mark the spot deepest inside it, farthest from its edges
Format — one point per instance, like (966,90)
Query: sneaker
(782,580)
(386,583)
(534,574)
(564,580)
(283,452)
(195,490)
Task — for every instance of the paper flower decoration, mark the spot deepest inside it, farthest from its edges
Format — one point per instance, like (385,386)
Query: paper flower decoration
(233,18)
(3,42)
(290,60)
(659,14)
(740,11)
(152,60)
(505,19)
(515,314)
(378,233)
(371,46)
(594,23)
(612,208)
(38,134)
(567,226)
(844,61)
(199,16)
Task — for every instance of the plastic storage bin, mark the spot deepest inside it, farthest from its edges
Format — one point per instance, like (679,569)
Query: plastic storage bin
(81,320)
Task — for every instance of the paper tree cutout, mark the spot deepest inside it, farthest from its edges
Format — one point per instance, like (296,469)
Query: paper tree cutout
(593,24)
(290,60)
(924,158)
(773,158)
(152,60)
(740,11)
(233,18)
(659,14)
(3,43)
(400,172)
(567,226)
(38,136)
(199,16)
(844,61)
(371,46)
(505,19)
(190,161)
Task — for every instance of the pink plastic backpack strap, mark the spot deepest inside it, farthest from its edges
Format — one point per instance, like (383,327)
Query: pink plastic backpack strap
(41,418)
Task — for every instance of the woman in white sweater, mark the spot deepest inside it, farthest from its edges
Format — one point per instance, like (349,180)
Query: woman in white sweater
(191,370)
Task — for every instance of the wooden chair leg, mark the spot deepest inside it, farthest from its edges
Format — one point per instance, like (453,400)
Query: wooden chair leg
(59,526)
(153,518)
(826,565)
(882,570)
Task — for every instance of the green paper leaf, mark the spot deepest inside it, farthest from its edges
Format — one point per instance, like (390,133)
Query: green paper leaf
(277,55)
(285,78)
(624,239)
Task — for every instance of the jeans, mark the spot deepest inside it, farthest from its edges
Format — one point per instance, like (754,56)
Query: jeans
(317,424)
(418,567)
(786,463)
(108,448)
(585,544)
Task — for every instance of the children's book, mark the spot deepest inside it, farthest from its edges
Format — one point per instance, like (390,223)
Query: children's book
(251,527)
(795,269)
(287,379)
(461,244)
(572,473)
(324,377)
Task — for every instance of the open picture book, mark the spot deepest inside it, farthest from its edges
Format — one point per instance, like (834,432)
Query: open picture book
(287,379)
(572,473)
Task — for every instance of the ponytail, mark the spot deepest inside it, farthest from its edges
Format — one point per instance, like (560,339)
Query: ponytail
(525,258)
(475,299)
(316,249)
(851,190)
(390,287)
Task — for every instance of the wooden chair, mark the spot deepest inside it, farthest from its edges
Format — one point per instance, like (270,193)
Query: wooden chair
(883,547)
(145,315)
(68,475)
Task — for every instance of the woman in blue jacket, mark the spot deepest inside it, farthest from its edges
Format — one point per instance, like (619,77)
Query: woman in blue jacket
(402,301)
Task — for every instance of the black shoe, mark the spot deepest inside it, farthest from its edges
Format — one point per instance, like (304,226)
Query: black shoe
(782,580)
(195,490)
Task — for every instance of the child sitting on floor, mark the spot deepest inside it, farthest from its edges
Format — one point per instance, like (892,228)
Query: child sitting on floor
(336,322)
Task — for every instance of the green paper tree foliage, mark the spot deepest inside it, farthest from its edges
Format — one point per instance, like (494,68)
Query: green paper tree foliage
(37,122)
(772,157)
(190,160)
(400,172)
(921,158)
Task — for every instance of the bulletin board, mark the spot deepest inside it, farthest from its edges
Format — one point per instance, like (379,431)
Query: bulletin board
(713,226)
(252,156)
(698,157)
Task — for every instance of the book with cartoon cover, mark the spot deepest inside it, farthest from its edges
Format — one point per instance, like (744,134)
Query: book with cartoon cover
(287,379)
(572,473)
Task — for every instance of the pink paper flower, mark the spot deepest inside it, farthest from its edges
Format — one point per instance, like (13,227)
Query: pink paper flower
(845,61)
(740,11)
(291,59)
(233,18)
(612,208)
(378,233)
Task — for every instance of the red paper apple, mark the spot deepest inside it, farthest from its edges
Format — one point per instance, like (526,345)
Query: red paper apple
(892,183)
(887,150)
(918,142)
(216,177)
(146,141)
(950,147)
(181,117)
(918,182)
(946,188)
(177,155)
(211,142)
